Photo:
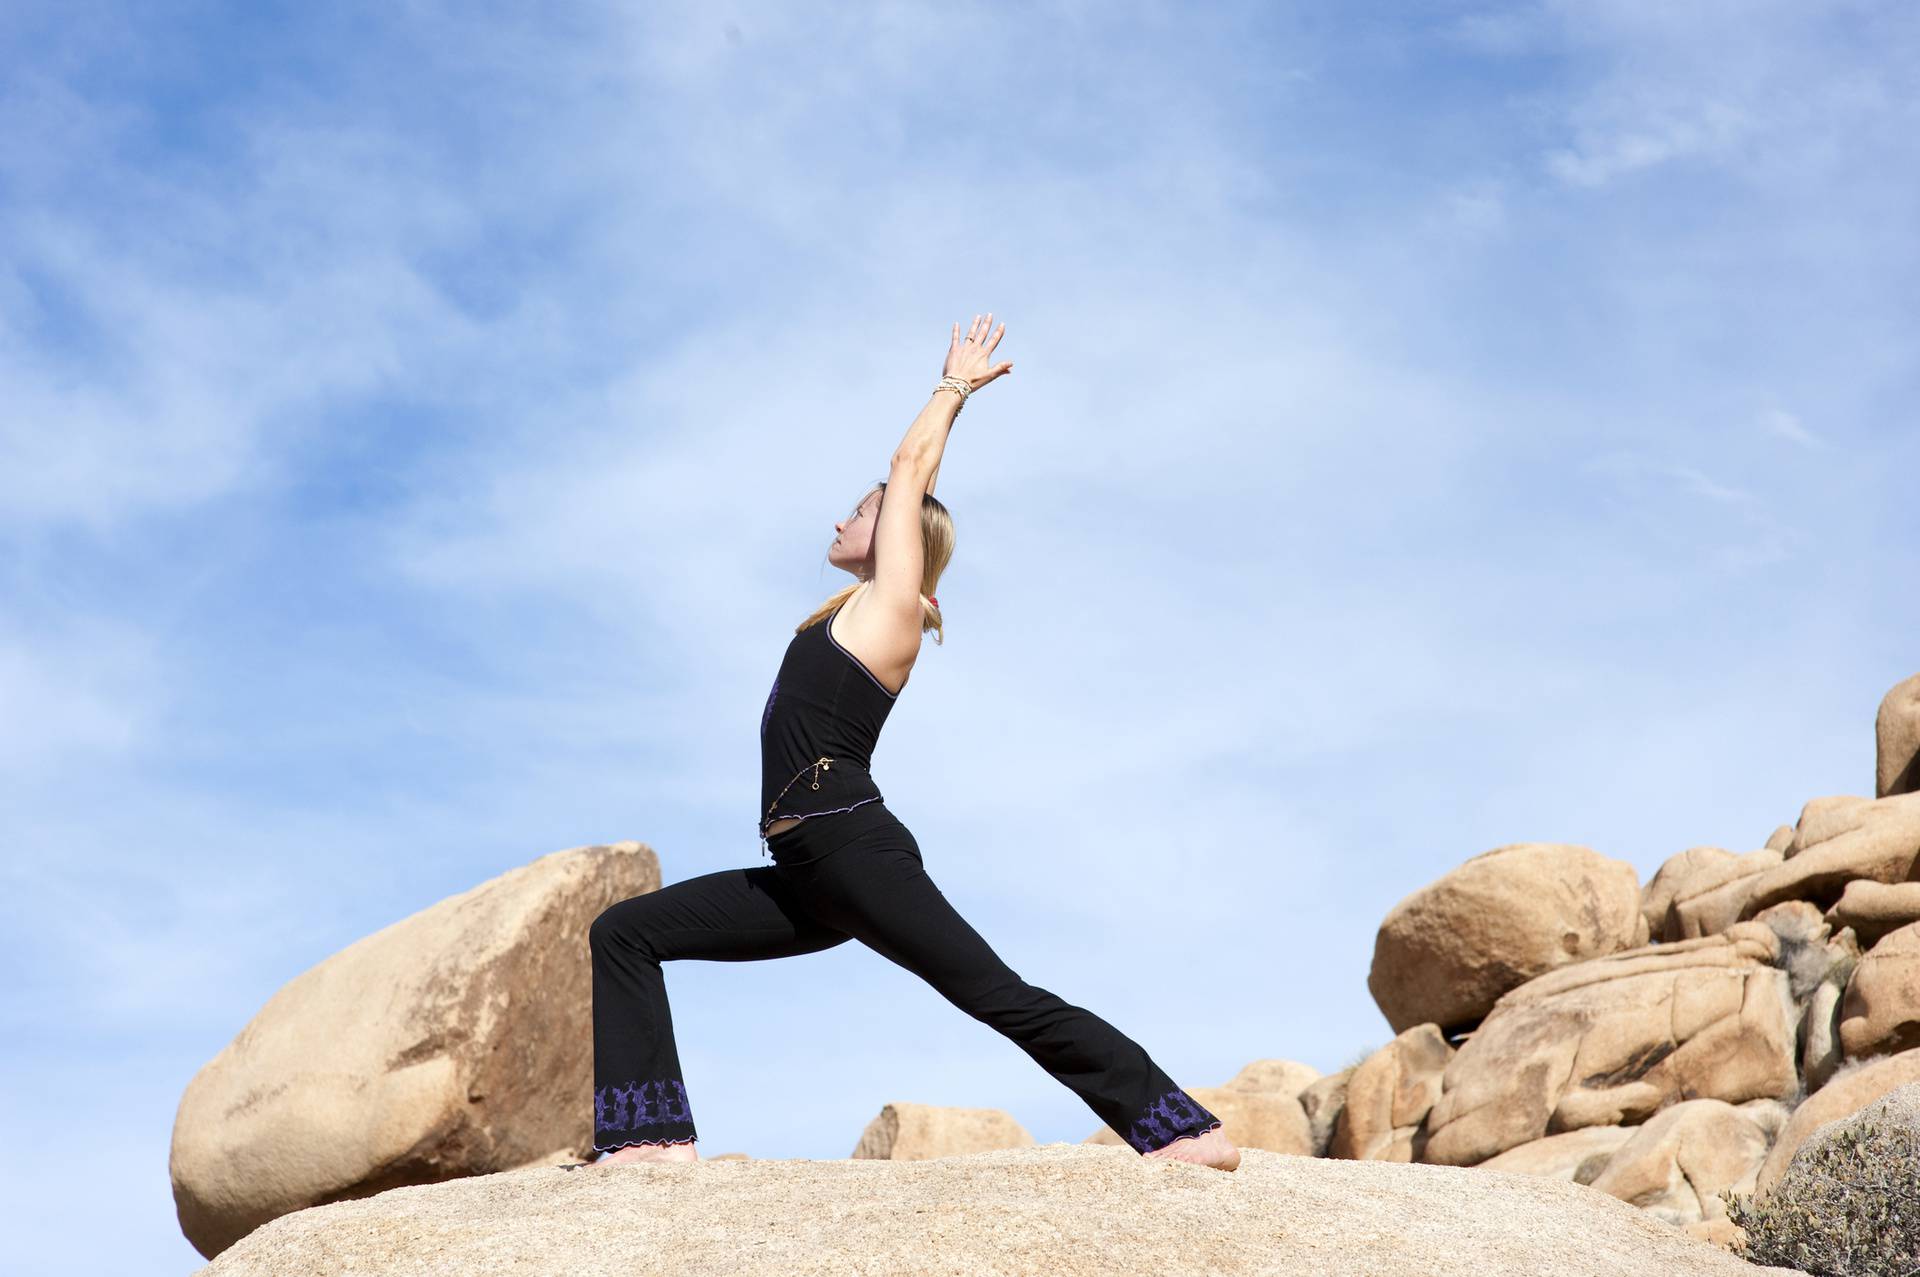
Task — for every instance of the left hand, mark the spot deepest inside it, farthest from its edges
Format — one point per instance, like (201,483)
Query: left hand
(973,358)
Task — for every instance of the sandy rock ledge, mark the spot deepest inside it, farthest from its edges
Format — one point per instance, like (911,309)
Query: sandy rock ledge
(1060,1209)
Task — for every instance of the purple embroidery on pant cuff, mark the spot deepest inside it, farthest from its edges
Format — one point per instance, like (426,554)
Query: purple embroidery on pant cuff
(638,1104)
(1174,1116)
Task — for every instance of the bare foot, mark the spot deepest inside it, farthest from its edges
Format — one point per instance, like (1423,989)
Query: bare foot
(1209,1148)
(686,1152)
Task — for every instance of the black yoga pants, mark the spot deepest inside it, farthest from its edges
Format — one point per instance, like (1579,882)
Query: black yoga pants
(858,875)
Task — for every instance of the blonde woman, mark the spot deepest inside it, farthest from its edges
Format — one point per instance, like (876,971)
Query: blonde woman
(843,866)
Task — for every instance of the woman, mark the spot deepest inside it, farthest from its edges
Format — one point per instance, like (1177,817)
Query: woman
(843,865)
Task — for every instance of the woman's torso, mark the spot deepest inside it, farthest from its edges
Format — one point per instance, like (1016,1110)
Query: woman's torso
(836,685)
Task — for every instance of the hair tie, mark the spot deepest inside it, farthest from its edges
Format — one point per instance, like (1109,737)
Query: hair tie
(932,600)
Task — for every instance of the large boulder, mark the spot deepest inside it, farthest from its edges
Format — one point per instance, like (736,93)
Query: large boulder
(920,1132)
(1864,838)
(1388,1096)
(455,1042)
(1612,1041)
(1896,730)
(1881,1012)
(1446,953)
(1064,1210)
(1855,1086)
(1679,1162)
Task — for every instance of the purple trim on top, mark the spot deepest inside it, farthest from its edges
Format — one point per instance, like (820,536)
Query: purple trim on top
(828,624)
(806,816)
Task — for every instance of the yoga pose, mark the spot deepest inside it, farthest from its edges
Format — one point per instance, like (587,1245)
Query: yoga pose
(842,865)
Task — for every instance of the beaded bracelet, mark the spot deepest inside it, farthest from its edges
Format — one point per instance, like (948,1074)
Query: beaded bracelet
(958,384)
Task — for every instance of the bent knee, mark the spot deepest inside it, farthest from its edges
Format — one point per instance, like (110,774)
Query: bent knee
(622,926)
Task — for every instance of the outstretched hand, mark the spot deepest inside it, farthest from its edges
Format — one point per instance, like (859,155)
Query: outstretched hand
(973,357)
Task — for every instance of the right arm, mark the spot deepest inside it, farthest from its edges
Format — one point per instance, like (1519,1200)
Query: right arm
(899,555)
(926,438)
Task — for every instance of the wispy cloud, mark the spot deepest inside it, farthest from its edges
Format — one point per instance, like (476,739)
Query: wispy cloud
(1784,425)
(1642,135)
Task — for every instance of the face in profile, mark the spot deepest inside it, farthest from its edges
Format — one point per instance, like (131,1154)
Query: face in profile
(852,548)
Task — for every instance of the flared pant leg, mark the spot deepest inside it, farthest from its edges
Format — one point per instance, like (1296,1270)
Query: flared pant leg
(875,888)
(733,915)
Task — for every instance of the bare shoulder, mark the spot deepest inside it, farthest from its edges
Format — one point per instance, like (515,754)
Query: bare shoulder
(885,637)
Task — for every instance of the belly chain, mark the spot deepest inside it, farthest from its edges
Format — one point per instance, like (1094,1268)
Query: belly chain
(818,765)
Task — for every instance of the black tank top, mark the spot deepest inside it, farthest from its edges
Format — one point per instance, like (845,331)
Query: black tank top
(817,733)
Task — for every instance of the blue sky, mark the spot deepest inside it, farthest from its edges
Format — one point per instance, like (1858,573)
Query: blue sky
(1434,426)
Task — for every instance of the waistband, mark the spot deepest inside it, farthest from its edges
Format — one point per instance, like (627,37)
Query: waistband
(816,836)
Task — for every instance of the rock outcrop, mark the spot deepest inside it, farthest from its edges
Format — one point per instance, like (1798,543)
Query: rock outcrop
(455,1042)
(1660,1051)
(1614,1040)
(1063,1210)
(1446,953)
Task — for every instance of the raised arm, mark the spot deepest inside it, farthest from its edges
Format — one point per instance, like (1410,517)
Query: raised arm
(899,557)
(971,361)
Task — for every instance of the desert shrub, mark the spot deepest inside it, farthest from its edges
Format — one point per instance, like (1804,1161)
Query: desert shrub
(1847,1206)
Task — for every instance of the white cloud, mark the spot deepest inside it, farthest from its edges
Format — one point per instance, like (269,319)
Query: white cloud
(1646,135)
(1784,425)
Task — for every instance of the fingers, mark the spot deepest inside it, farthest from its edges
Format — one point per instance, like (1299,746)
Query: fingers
(978,331)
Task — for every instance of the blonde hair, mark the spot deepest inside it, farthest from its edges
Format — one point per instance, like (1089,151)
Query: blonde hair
(936,539)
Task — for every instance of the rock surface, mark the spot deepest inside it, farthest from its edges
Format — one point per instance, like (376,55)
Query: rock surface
(1064,1210)
(1682,1158)
(453,1042)
(1612,1041)
(1897,740)
(1581,1156)
(919,1132)
(1702,891)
